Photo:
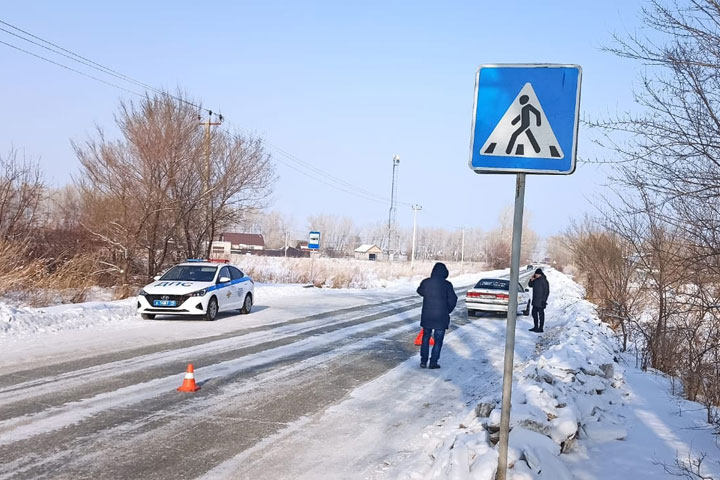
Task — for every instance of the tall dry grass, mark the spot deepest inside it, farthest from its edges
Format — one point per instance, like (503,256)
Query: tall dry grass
(70,280)
(17,270)
(42,281)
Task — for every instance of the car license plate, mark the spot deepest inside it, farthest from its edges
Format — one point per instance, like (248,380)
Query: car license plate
(164,303)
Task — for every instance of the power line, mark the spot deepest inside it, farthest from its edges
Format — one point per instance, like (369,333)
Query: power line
(71,69)
(305,172)
(323,176)
(306,168)
(355,188)
(320,172)
(76,58)
(69,54)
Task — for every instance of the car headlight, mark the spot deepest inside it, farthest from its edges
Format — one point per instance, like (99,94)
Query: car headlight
(142,292)
(199,293)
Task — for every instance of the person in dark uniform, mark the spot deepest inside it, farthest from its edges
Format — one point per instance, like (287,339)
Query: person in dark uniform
(439,300)
(541,290)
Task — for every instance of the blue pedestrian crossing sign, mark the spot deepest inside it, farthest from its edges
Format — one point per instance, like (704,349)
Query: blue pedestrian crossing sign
(525,119)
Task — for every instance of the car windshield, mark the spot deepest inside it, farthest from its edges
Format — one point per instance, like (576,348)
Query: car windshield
(191,273)
(493,284)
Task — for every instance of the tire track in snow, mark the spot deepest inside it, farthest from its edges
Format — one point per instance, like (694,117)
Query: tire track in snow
(25,378)
(259,388)
(284,391)
(109,376)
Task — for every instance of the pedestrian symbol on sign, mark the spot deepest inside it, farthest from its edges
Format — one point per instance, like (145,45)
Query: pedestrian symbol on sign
(508,138)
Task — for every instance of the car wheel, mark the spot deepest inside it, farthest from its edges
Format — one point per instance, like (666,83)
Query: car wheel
(247,304)
(526,312)
(471,313)
(148,316)
(212,310)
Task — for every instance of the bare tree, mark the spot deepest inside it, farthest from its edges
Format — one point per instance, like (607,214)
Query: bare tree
(242,176)
(498,244)
(374,233)
(667,159)
(21,193)
(145,195)
(606,263)
(557,250)
(275,227)
(337,233)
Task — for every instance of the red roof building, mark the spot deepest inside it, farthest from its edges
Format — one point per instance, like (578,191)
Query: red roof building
(243,241)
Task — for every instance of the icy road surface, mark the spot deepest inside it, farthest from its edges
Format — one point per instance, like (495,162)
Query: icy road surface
(325,384)
(85,404)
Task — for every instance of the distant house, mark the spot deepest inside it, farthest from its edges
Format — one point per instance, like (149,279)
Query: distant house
(220,249)
(368,252)
(244,241)
(229,243)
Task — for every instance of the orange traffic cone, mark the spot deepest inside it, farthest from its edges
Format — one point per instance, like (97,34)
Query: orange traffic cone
(418,339)
(189,382)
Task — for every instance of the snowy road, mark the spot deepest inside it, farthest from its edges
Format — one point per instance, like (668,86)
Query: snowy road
(117,415)
(325,384)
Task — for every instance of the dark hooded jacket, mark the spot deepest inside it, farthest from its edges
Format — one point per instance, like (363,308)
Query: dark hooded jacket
(541,290)
(439,299)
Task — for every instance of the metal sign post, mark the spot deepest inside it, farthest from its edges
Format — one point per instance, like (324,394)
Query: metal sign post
(511,318)
(314,246)
(525,120)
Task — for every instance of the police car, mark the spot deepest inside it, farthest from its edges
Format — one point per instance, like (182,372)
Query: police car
(197,287)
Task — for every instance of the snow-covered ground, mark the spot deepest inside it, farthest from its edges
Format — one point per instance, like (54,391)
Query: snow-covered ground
(37,336)
(579,411)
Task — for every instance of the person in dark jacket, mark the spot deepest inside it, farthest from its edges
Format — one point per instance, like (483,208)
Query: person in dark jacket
(541,290)
(439,300)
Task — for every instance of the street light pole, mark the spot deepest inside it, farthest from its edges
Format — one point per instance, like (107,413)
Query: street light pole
(415,208)
(209,214)
(393,207)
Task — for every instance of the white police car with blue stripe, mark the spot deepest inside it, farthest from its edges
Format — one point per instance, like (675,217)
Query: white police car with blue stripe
(197,287)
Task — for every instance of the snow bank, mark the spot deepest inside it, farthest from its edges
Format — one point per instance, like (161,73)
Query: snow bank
(562,391)
(19,321)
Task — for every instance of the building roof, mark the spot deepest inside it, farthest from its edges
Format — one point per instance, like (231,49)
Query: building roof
(243,239)
(367,247)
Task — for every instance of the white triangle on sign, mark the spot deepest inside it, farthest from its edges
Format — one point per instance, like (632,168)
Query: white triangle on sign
(524,130)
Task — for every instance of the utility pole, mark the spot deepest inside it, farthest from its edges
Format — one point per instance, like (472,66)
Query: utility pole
(210,221)
(393,205)
(286,238)
(415,208)
(462,247)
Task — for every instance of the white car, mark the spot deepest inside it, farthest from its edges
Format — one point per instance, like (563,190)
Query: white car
(197,288)
(493,295)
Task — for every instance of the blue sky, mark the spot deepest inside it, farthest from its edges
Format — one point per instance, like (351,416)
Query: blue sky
(341,85)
